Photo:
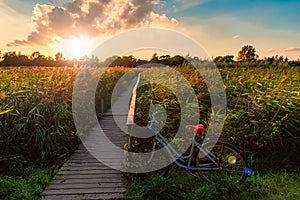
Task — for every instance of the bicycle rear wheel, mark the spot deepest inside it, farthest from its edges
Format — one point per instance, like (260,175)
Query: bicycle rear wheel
(228,158)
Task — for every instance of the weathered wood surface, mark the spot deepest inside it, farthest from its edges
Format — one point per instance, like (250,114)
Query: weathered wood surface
(83,176)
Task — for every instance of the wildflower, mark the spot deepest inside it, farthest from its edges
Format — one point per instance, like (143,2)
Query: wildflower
(2,95)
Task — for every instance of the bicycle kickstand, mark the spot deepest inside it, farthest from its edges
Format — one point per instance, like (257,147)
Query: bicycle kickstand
(196,178)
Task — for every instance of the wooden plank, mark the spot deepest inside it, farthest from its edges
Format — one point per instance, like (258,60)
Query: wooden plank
(101,142)
(76,166)
(110,155)
(87,160)
(85,191)
(86,176)
(83,167)
(91,180)
(117,136)
(109,162)
(81,150)
(86,185)
(84,164)
(84,196)
(111,138)
(81,155)
(90,157)
(87,172)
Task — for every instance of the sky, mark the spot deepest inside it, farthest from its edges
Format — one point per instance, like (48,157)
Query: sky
(221,27)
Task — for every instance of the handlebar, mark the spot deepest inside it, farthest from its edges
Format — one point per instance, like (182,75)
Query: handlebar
(153,123)
(153,115)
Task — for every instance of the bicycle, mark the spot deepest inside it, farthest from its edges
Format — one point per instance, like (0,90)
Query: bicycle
(215,161)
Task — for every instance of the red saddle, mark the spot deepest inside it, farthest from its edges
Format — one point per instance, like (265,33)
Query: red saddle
(196,129)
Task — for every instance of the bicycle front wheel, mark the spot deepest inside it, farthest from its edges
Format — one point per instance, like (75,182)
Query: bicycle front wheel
(224,163)
(159,159)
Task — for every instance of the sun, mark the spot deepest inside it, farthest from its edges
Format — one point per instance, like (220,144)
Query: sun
(75,47)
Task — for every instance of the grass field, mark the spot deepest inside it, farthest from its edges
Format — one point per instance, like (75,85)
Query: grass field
(37,133)
(263,114)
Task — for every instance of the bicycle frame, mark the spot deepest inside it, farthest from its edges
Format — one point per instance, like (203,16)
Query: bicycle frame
(176,156)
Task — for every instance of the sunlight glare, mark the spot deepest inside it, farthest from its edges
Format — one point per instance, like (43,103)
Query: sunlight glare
(75,47)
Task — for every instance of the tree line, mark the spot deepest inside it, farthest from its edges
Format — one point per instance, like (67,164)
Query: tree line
(37,59)
(34,59)
(247,57)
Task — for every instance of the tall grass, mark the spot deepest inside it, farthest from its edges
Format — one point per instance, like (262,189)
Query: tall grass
(36,123)
(263,107)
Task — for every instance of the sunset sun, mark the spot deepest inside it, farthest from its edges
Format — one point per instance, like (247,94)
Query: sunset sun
(75,47)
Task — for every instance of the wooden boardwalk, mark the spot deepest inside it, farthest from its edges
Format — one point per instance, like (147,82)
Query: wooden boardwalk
(83,176)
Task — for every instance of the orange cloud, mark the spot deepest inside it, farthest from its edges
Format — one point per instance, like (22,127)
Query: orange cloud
(272,50)
(157,20)
(292,49)
(91,18)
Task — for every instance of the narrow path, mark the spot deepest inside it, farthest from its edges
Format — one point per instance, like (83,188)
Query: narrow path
(83,176)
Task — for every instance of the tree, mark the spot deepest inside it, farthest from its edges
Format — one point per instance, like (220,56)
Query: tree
(59,57)
(247,53)
(228,59)
(224,59)
(35,55)
(154,58)
(1,57)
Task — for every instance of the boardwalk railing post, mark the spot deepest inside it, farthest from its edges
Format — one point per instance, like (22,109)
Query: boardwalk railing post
(130,118)
(102,106)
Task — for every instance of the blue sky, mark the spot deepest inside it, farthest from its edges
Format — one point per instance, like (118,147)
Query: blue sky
(273,14)
(220,26)
(24,6)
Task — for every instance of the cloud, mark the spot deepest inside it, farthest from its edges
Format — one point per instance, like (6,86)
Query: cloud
(272,50)
(236,37)
(292,49)
(162,21)
(186,4)
(91,18)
